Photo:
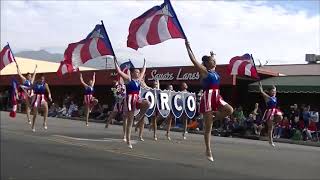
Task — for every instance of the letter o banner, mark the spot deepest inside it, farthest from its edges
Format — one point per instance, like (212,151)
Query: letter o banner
(190,105)
(149,94)
(177,104)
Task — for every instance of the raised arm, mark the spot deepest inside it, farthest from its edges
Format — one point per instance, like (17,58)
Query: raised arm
(49,92)
(158,84)
(265,95)
(34,74)
(143,70)
(93,78)
(255,110)
(82,82)
(19,73)
(125,76)
(202,70)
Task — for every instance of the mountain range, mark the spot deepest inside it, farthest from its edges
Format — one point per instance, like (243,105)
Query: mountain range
(98,63)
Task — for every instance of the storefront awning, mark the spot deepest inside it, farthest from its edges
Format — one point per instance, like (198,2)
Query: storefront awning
(290,84)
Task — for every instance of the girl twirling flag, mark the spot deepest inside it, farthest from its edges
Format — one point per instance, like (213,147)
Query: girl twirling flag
(6,56)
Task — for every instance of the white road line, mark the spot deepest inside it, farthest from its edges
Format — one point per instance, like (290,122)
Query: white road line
(99,140)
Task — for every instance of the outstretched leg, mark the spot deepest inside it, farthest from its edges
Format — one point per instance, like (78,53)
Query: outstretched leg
(154,124)
(208,121)
(129,126)
(28,109)
(124,126)
(185,125)
(87,111)
(112,115)
(169,122)
(45,115)
(144,106)
(35,112)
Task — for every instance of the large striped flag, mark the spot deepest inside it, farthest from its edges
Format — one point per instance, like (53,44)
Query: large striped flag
(243,66)
(96,44)
(14,98)
(6,57)
(125,67)
(156,25)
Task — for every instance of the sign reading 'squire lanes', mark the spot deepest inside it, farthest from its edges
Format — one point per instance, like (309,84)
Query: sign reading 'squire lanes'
(165,102)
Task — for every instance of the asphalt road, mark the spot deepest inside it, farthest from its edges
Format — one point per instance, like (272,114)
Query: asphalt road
(69,150)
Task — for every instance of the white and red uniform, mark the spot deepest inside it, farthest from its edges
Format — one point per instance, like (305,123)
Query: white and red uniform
(133,99)
(39,95)
(23,93)
(88,96)
(211,98)
(271,110)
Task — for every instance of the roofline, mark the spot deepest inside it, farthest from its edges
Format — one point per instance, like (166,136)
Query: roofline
(267,72)
(289,64)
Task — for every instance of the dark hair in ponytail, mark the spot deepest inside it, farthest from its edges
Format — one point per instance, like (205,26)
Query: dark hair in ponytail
(205,59)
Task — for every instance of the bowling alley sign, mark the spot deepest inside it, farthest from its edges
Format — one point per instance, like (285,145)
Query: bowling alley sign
(165,102)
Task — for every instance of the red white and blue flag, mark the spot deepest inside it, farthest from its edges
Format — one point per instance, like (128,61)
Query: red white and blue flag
(156,25)
(14,98)
(96,44)
(6,57)
(243,66)
(125,68)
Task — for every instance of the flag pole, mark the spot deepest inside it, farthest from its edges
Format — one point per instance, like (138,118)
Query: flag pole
(12,53)
(104,28)
(254,64)
(108,37)
(175,15)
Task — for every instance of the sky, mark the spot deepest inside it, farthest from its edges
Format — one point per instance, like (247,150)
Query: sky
(280,32)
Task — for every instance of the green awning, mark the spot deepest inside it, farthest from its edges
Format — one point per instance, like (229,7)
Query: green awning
(290,84)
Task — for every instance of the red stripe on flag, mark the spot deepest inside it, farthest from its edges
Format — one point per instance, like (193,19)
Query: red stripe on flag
(174,31)
(153,34)
(9,57)
(242,67)
(1,65)
(134,27)
(234,59)
(68,52)
(254,72)
(2,53)
(231,63)
(103,50)
(84,52)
